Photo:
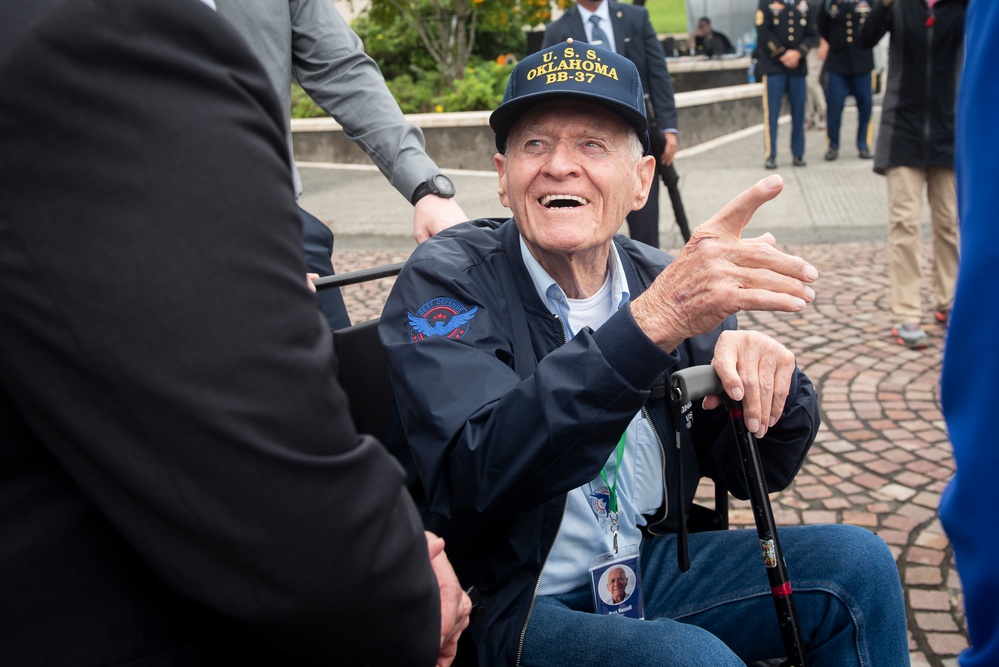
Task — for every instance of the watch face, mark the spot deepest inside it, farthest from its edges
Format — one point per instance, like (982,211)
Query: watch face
(443,185)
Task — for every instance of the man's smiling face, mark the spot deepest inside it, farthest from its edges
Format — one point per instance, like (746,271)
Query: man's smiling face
(571,173)
(617,585)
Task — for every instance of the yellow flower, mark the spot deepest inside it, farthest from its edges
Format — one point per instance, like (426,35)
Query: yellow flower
(439,108)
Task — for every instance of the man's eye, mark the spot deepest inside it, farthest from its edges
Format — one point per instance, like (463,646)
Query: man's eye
(534,146)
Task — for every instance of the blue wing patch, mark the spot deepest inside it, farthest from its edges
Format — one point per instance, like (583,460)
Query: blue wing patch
(441,317)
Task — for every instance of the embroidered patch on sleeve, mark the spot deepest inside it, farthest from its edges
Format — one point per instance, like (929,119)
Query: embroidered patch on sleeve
(442,316)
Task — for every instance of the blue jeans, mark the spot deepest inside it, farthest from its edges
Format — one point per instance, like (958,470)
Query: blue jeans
(845,586)
(837,88)
(796,86)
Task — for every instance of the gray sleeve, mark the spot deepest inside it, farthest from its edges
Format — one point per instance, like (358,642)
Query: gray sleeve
(328,59)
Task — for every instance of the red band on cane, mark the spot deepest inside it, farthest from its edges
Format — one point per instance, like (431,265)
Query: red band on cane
(782,591)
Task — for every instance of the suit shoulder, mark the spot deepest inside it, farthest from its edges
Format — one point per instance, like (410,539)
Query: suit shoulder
(559,24)
(631,12)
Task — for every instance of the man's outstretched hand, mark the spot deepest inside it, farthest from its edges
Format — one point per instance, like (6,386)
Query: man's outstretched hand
(718,273)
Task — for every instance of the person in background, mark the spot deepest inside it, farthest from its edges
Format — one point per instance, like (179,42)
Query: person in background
(849,71)
(308,41)
(785,34)
(181,481)
(915,151)
(970,503)
(627,30)
(709,42)
(815,103)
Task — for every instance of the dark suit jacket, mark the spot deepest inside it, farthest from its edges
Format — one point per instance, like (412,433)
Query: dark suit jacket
(634,38)
(179,477)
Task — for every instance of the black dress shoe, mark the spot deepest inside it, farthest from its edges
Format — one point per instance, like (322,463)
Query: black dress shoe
(771,163)
(799,161)
(866,154)
(832,154)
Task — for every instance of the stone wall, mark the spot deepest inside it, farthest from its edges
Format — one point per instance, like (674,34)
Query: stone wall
(465,140)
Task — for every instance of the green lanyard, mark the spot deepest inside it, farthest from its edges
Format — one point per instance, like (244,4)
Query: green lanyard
(612,488)
(617,473)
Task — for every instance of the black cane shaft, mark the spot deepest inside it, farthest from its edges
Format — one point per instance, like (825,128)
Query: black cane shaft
(766,529)
(692,384)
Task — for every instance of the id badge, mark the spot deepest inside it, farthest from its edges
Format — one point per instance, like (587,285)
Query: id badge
(616,583)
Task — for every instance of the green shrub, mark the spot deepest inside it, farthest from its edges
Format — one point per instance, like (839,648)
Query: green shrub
(417,95)
(302,105)
(481,89)
(394,46)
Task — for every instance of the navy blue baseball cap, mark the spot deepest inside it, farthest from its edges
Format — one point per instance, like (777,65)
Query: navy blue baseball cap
(574,70)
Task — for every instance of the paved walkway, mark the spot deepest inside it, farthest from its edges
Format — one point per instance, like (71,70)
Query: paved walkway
(882,457)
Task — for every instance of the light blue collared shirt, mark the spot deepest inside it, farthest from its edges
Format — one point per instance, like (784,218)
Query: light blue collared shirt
(585,530)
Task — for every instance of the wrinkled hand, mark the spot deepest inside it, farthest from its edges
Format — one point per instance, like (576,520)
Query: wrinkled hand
(456,607)
(754,369)
(433,214)
(791,58)
(309,277)
(667,157)
(718,273)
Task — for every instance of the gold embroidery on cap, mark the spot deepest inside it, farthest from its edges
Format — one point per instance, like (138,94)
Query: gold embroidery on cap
(585,69)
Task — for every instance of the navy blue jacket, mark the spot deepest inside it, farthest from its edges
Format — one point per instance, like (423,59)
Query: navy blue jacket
(504,417)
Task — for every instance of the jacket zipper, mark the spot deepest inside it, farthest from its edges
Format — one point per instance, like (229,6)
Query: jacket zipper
(565,506)
(537,585)
(662,452)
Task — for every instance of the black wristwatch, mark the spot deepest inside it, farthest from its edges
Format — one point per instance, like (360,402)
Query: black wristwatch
(438,184)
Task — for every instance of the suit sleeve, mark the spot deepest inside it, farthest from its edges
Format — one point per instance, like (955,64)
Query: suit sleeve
(822,23)
(660,84)
(330,63)
(810,40)
(165,348)
(877,25)
(487,442)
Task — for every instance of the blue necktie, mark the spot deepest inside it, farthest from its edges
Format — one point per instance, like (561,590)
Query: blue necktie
(599,36)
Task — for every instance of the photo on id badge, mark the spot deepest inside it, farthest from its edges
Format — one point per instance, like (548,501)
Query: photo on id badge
(616,584)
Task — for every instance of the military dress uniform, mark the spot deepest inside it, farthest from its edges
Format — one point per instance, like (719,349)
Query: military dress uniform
(782,27)
(850,68)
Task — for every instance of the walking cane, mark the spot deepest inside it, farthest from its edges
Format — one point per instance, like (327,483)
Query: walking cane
(691,384)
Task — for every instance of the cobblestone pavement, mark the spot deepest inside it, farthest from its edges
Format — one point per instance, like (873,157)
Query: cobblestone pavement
(882,457)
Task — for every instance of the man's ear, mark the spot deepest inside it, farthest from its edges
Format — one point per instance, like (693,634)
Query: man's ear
(500,161)
(646,172)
